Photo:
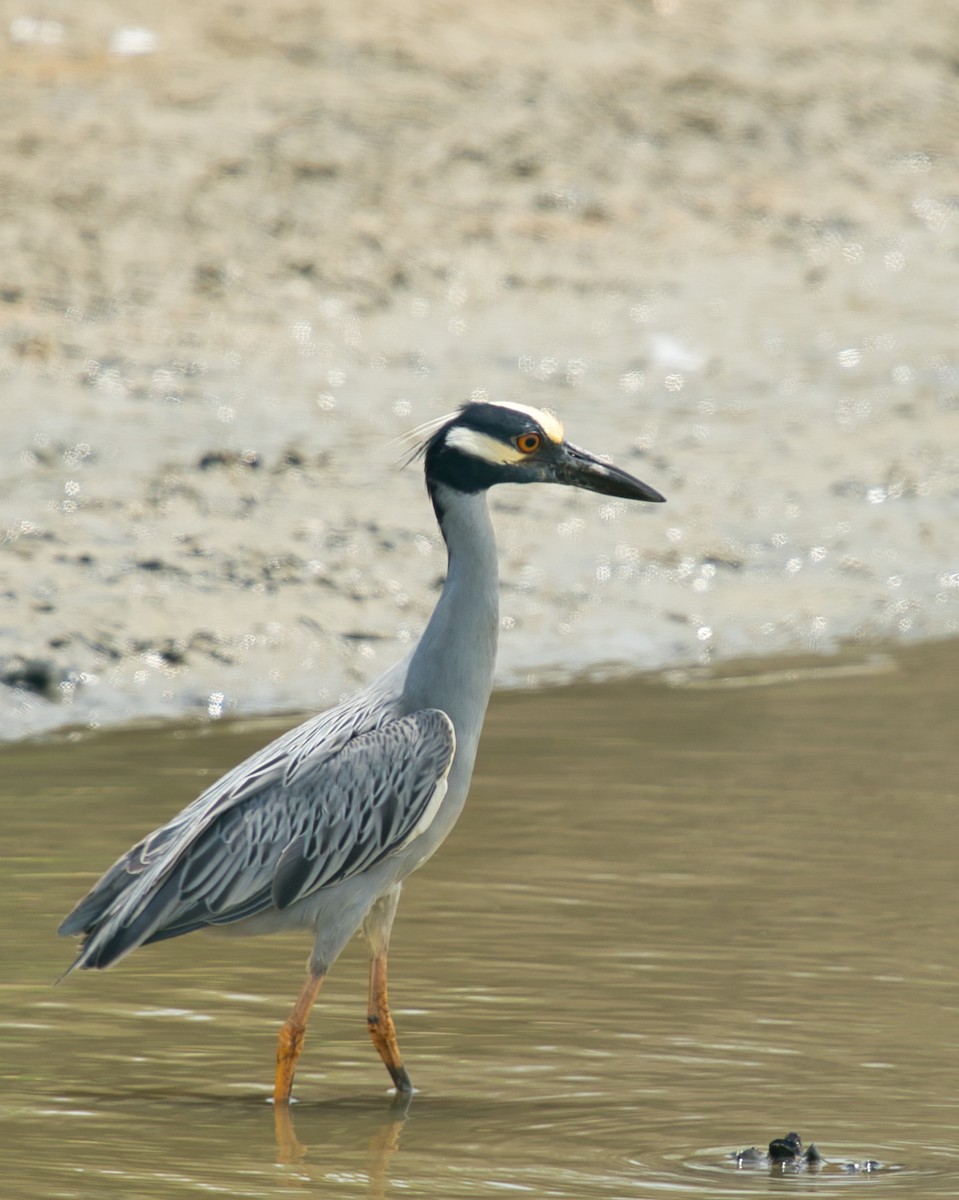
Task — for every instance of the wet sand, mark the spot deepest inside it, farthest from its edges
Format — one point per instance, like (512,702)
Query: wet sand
(235,268)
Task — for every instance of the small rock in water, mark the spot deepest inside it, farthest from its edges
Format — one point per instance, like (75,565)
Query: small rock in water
(782,1151)
(788,1151)
(855,1168)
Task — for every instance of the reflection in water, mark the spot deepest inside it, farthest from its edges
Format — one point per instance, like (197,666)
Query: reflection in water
(288,1147)
(384,1144)
(672,921)
(384,1141)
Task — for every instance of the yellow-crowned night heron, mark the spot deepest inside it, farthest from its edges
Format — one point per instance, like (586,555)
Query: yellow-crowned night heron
(319,829)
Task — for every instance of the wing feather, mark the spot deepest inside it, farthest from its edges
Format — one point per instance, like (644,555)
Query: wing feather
(315,819)
(286,758)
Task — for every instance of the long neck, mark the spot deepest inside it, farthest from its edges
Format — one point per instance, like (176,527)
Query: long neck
(452,667)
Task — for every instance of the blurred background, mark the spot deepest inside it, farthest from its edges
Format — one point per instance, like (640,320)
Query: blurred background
(245,246)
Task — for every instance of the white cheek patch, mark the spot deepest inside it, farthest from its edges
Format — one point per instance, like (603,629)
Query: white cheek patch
(487,449)
(550,425)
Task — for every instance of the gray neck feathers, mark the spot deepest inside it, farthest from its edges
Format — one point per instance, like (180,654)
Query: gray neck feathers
(452,667)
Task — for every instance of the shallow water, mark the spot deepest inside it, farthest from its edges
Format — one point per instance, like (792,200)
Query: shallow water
(679,917)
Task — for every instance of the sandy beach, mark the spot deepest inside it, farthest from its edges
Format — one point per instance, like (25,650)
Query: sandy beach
(246,247)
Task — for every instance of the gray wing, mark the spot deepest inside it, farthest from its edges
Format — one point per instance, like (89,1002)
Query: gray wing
(280,763)
(295,834)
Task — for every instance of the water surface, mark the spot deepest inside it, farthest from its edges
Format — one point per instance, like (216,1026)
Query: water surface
(678,917)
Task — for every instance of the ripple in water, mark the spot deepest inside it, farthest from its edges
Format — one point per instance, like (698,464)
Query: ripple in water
(909,1167)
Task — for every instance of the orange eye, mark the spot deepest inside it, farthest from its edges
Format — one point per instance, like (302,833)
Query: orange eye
(529,443)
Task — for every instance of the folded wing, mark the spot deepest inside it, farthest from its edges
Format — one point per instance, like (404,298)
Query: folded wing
(311,820)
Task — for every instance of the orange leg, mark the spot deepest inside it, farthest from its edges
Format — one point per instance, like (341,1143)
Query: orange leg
(290,1041)
(379,1021)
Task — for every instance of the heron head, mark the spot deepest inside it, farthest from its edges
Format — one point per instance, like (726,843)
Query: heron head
(486,443)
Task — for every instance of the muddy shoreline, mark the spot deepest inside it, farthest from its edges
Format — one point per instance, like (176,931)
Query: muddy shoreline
(239,265)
